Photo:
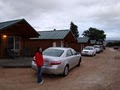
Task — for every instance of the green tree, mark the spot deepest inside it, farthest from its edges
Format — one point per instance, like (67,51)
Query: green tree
(74,29)
(95,34)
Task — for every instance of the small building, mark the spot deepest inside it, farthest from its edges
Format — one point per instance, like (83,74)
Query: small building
(98,43)
(54,38)
(92,42)
(83,41)
(13,35)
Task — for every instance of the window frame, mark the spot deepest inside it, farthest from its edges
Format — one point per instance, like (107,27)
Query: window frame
(68,53)
(15,45)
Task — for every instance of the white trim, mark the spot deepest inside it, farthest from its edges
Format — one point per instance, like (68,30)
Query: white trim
(62,44)
(54,44)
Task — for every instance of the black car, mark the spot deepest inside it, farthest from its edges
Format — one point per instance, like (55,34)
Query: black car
(116,47)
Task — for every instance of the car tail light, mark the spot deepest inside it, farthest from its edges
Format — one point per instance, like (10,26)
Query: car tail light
(55,63)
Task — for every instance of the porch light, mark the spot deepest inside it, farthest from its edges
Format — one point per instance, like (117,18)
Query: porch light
(4,36)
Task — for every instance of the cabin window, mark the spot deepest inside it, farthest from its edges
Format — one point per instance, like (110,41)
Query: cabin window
(14,43)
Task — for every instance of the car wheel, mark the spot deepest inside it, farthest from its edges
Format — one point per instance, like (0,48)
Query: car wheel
(95,54)
(79,63)
(92,54)
(66,71)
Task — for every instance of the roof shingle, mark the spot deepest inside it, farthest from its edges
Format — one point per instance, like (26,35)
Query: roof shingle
(8,23)
(83,40)
(55,34)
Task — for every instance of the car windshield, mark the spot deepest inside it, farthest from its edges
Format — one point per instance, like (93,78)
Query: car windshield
(96,46)
(88,48)
(53,52)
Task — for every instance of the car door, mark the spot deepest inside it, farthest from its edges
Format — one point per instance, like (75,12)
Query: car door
(69,58)
(76,57)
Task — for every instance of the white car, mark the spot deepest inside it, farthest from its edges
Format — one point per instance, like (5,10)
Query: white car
(98,48)
(89,50)
(59,60)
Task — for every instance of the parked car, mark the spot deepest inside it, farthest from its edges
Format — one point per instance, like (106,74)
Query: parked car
(89,50)
(102,48)
(99,47)
(59,60)
(116,47)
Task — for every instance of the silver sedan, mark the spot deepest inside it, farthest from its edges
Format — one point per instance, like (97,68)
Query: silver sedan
(89,50)
(59,60)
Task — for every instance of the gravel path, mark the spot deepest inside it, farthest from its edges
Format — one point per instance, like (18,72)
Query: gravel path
(101,72)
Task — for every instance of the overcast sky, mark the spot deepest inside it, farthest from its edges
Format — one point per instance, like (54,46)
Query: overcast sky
(57,14)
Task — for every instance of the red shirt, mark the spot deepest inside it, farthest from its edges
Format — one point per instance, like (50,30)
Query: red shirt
(39,59)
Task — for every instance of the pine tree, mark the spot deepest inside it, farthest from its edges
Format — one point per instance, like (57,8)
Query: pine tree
(74,29)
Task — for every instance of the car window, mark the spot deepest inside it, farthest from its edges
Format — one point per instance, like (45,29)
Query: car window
(96,46)
(53,52)
(69,53)
(87,48)
(73,52)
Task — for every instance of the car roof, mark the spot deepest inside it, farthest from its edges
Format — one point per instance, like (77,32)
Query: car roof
(96,45)
(60,48)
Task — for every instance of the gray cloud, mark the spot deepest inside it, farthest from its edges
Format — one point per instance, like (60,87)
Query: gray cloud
(50,14)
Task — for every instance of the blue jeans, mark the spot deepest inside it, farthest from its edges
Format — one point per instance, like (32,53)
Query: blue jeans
(39,74)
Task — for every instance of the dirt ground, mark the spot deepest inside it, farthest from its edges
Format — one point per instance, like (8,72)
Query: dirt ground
(101,72)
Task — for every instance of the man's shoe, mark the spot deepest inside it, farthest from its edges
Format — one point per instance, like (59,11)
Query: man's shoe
(41,82)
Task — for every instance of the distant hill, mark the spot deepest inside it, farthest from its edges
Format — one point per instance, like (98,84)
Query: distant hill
(112,41)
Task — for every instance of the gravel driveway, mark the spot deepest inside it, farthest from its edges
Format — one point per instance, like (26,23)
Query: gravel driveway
(101,72)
